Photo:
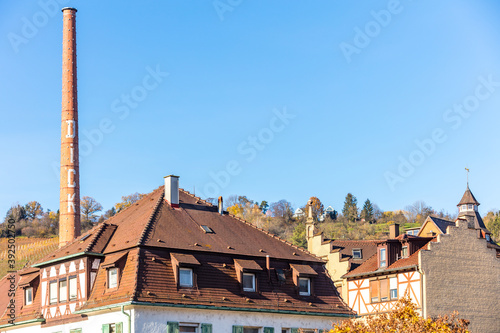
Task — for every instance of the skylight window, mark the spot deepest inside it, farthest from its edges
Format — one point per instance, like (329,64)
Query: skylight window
(207,229)
(85,237)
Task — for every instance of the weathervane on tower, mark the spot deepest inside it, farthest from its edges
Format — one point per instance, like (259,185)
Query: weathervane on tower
(467,170)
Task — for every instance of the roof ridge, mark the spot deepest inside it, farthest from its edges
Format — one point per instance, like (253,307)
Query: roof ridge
(96,236)
(151,219)
(195,197)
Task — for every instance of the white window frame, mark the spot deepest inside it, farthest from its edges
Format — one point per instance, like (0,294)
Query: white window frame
(63,290)
(393,286)
(358,251)
(73,284)
(191,277)
(252,288)
(53,289)
(383,262)
(403,254)
(28,300)
(308,292)
(115,280)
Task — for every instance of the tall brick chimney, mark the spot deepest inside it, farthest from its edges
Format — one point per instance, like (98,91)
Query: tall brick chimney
(69,206)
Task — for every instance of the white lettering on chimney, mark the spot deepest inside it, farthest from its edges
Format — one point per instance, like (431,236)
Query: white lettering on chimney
(71,203)
(71,184)
(71,129)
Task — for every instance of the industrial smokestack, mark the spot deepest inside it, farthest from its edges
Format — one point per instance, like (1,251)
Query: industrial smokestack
(69,201)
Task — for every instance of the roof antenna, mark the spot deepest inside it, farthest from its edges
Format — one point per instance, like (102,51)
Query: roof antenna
(467,170)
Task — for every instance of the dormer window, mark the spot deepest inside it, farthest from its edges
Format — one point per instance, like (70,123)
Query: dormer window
(28,296)
(303,276)
(113,277)
(383,258)
(404,251)
(356,254)
(304,286)
(248,282)
(184,266)
(186,277)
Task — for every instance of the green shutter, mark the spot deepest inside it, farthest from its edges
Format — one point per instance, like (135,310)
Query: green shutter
(268,329)
(237,329)
(172,327)
(294,330)
(206,328)
(119,327)
(105,328)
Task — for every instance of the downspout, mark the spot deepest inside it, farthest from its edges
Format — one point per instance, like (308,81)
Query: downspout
(129,319)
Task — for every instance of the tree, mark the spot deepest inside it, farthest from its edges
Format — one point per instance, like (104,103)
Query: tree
(33,210)
(418,212)
(264,206)
(299,235)
(350,210)
(88,208)
(281,209)
(493,225)
(128,201)
(317,208)
(404,318)
(367,212)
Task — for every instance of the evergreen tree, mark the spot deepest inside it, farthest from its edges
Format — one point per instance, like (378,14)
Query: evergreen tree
(367,212)
(299,235)
(350,210)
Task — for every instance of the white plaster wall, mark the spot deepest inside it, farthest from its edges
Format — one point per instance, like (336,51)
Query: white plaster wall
(93,324)
(154,319)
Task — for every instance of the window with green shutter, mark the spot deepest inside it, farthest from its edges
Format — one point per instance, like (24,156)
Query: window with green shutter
(206,328)
(268,329)
(172,327)
(109,328)
(237,329)
(75,330)
(294,330)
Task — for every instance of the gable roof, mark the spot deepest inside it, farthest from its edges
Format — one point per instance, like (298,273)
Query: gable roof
(345,247)
(152,228)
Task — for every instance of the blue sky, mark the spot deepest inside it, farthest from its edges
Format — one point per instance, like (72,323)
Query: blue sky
(273,100)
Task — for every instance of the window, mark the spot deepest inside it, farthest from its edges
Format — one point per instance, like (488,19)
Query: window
(207,229)
(285,330)
(383,258)
(112,328)
(374,288)
(75,330)
(72,288)
(248,282)
(185,277)
(53,292)
(404,252)
(304,286)
(356,254)
(393,285)
(488,238)
(384,290)
(63,290)
(470,207)
(464,207)
(183,327)
(113,278)
(250,330)
(28,296)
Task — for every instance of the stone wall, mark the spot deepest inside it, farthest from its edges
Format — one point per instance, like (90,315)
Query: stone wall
(460,273)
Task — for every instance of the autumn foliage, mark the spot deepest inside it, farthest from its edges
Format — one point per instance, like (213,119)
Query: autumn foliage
(404,318)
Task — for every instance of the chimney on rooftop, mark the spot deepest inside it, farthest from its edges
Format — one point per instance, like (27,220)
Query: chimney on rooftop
(172,190)
(393,230)
(221,206)
(69,200)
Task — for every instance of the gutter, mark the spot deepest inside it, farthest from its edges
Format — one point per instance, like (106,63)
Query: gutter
(31,321)
(210,307)
(129,319)
(381,272)
(68,257)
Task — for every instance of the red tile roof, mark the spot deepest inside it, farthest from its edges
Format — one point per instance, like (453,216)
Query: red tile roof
(152,229)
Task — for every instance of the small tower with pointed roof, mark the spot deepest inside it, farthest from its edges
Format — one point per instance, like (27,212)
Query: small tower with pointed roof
(468,210)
